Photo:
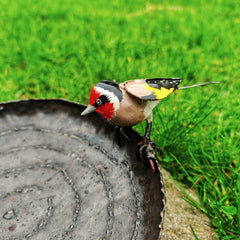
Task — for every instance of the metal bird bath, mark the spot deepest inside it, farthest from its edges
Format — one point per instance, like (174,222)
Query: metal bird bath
(63,176)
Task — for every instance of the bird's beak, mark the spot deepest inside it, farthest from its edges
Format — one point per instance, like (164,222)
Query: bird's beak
(88,110)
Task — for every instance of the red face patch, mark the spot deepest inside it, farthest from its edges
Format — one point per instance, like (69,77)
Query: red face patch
(106,110)
(94,96)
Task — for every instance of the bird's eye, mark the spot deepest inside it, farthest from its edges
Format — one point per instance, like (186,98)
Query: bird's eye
(99,102)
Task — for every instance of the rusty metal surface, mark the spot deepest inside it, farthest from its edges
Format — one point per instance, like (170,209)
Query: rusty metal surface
(63,176)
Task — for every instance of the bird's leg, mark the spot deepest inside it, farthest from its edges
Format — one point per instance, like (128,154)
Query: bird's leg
(119,136)
(146,150)
(148,130)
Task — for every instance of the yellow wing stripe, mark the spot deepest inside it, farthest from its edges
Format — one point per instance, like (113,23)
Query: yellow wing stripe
(160,94)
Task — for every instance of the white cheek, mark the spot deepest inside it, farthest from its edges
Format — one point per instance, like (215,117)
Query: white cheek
(116,103)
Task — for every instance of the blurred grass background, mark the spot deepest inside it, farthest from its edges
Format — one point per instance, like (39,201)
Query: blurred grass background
(60,49)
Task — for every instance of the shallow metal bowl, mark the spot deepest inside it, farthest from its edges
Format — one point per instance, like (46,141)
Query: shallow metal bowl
(64,177)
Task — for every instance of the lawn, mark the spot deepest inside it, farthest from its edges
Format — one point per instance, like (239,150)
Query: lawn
(60,49)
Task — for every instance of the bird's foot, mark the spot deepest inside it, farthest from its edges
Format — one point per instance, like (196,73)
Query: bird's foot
(146,152)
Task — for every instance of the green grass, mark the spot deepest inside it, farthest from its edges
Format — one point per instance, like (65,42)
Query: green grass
(60,49)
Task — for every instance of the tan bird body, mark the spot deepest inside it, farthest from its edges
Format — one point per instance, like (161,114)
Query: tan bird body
(132,110)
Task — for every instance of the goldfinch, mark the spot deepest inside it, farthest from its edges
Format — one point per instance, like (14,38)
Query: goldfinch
(131,102)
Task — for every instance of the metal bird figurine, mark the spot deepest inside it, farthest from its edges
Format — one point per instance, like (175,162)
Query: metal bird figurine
(131,102)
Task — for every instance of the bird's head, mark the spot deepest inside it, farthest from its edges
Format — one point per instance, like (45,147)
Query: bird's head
(105,99)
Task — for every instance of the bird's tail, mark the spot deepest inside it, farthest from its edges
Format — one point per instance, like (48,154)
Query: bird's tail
(198,85)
